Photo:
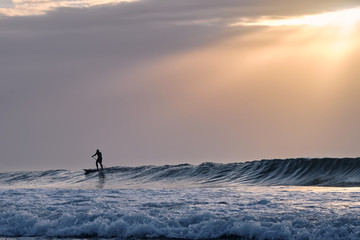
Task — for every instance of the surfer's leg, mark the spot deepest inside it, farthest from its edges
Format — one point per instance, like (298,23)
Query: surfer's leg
(97,165)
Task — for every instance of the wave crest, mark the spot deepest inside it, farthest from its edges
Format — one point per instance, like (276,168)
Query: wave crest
(334,172)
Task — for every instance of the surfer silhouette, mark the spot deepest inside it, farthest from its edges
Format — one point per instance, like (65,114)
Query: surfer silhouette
(99,159)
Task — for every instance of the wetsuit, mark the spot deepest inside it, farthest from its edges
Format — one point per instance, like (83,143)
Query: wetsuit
(99,159)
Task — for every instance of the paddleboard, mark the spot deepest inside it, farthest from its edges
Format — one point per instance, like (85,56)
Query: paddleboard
(87,171)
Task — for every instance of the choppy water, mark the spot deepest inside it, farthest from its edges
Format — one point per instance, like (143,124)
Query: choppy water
(270,199)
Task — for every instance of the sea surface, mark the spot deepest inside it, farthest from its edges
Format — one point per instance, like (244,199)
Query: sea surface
(268,199)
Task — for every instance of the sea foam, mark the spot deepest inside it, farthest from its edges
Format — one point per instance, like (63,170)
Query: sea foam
(197,213)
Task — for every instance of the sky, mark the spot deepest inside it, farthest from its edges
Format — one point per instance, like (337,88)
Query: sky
(154,82)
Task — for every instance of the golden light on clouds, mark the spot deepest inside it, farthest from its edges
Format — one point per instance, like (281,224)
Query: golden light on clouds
(39,7)
(348,17)
(328,39)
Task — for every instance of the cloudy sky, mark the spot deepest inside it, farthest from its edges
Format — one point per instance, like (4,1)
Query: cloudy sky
(177,81)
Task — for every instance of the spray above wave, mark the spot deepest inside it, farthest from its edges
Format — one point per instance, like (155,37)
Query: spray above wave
(335,172)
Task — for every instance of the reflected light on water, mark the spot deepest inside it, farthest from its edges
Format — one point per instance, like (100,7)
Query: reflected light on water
(314,198)
(314,189)
(323,189)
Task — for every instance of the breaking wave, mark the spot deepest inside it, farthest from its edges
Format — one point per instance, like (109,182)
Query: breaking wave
(333,172)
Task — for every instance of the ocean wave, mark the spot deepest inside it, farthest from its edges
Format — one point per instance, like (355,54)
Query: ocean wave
(333,172)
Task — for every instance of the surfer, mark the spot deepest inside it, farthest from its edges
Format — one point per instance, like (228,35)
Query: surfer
(99,159)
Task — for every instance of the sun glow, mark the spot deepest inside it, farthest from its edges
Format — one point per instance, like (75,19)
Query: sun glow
(349,17)
(332,36)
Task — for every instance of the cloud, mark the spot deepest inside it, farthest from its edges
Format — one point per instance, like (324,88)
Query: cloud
(6,4)
(39,7)
(348,17)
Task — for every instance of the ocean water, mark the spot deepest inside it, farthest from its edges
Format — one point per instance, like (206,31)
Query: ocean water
(269,199)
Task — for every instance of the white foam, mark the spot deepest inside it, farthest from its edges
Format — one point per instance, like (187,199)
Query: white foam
(198,213)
